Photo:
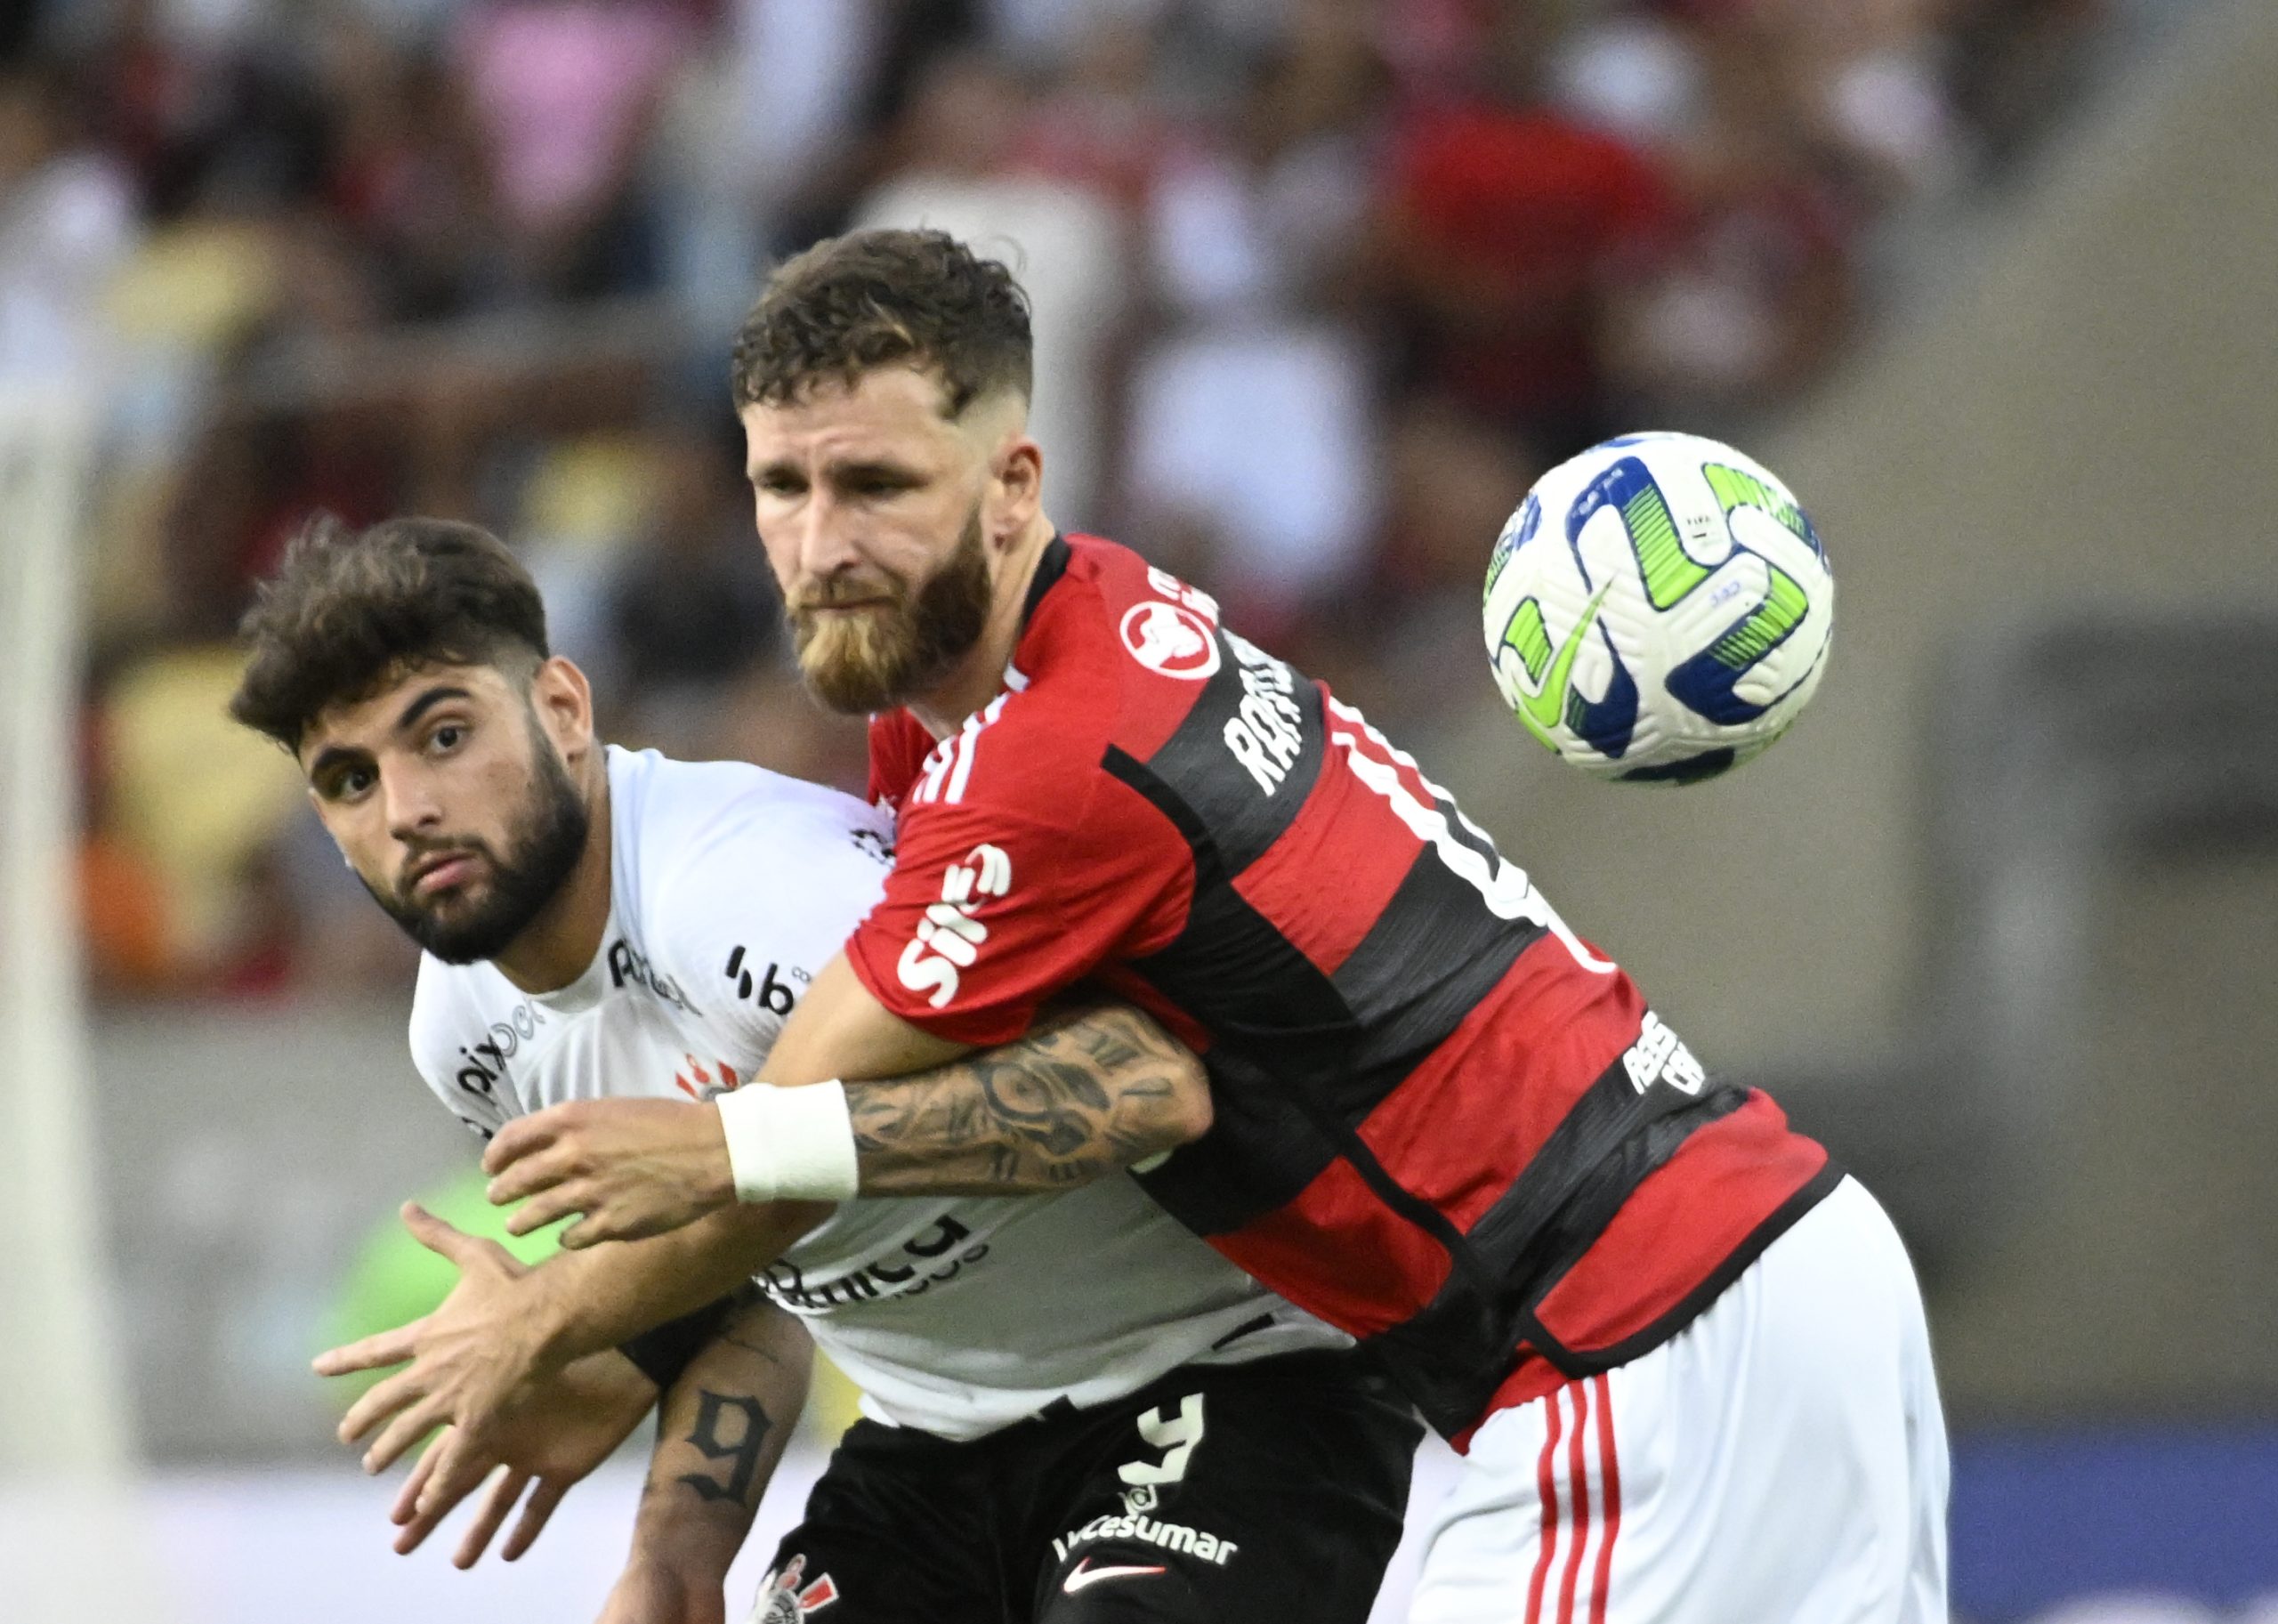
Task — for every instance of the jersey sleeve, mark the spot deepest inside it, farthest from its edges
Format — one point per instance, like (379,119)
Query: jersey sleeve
(992,908)
(760,902)
(470,1090)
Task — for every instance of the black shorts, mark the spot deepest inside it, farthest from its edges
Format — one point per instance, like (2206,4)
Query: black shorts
(1219,1494)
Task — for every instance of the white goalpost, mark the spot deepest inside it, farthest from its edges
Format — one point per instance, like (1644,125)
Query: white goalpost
(69,1544)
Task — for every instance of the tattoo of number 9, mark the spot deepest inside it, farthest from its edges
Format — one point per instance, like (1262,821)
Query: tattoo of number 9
(741,1452)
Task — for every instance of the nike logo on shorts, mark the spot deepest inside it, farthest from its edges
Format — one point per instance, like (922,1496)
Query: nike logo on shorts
(1084,1573)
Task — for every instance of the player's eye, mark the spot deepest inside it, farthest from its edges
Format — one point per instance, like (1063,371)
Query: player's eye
(448,737)
(348,784)
(778,485)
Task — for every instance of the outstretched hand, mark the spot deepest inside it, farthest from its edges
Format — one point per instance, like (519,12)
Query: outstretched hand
(546,1443)
(634,1167)
(505,1491)
(470,1360)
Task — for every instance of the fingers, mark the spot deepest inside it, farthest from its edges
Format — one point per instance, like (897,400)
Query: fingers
(446,1242)
(406,1430)
(384,1400)
(543,1500)
(415,1531)
(495,1504)
(541,1169)
(418,1524)
(523,1136)
(556,1199)
(374,1352)
(608,1223)
(406,1498)
(460,1467)
(451,1470)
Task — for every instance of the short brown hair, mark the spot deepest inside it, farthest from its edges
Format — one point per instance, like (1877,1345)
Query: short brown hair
(885,298)
(348,611)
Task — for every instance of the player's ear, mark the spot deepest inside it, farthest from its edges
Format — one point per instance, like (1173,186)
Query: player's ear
(562,700)
(1017,485)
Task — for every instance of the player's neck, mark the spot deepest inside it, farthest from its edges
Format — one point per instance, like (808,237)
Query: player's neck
(977,678)
(561,942)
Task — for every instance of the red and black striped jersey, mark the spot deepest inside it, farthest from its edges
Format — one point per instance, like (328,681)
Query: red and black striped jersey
(1443,1121)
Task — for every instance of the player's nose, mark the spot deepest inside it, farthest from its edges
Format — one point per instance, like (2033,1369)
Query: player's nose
(413,809)
(826,542)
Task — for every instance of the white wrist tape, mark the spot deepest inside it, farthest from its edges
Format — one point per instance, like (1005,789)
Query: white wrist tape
(789,1144)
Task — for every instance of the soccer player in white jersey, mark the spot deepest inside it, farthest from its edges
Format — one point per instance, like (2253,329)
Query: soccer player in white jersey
(1076,1409)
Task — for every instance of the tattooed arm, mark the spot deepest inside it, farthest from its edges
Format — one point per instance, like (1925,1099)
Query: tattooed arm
(1088,1090)
(720,1433)
(1084,1092)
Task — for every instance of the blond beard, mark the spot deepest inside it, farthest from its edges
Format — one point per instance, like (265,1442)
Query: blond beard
(879,658)
(853,663)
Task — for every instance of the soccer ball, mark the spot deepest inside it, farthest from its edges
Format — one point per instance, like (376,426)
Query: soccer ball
(1659,608)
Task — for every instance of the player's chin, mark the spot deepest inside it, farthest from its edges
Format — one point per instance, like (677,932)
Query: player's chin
(852,680)
(445,906)
(459,927)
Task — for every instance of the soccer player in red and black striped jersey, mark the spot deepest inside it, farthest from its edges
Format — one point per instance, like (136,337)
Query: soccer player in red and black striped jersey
(1684,1353)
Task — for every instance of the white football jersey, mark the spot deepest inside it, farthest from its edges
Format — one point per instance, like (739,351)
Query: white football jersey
(731,886)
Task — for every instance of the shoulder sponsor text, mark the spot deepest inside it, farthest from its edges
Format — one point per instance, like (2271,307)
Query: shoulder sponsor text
(949,934)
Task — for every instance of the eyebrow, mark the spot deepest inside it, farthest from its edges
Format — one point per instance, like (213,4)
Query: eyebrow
(332,754)
(426,702)
(840,468)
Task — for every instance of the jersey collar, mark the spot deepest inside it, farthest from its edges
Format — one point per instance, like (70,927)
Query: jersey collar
(1049,569)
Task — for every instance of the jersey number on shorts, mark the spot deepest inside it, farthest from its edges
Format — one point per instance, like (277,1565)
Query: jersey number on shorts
(1175,1435)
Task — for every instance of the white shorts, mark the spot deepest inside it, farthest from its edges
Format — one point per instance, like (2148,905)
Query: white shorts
(1782,1459)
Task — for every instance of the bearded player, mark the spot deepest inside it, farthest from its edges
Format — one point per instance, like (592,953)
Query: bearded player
(1074,1408)
(1683,1353)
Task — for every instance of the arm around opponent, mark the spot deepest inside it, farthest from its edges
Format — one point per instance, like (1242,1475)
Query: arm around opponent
(1091,1090)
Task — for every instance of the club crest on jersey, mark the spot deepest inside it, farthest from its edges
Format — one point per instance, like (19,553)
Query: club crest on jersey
(710,1082)
(785,1598)
(1170,639)
(948,937)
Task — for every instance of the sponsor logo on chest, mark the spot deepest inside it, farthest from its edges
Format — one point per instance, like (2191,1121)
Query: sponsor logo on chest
(774,988)
(933,1257)
(629,966)
(484,1063)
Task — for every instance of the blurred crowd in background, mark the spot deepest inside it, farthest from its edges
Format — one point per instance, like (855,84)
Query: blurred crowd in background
(1320,287)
